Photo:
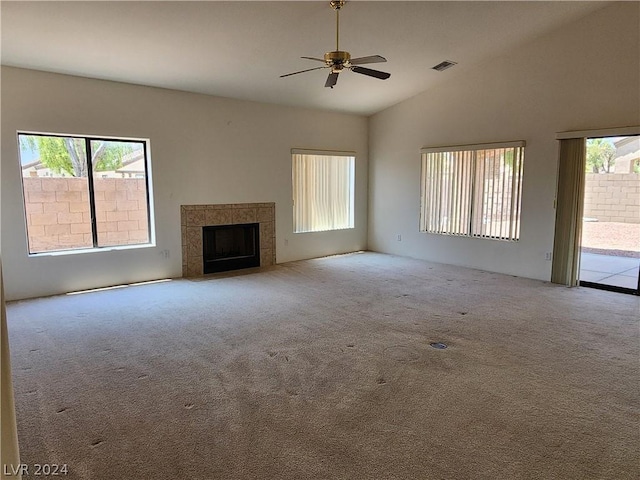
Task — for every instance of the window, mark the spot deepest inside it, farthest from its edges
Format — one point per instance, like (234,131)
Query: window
(472,191)
(323,191)
(84,192)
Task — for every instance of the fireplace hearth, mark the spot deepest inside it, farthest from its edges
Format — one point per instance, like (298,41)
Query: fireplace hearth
(230,247)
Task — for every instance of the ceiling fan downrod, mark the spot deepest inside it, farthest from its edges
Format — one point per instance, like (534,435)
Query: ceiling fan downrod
(337,5)
(336,60)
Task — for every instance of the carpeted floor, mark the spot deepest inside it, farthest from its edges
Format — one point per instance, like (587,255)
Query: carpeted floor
(322,369)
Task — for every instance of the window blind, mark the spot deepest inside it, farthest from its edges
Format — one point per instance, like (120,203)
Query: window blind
(323,191)
(472,190)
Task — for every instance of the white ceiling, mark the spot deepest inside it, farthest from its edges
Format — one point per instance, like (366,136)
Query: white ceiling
(239,49)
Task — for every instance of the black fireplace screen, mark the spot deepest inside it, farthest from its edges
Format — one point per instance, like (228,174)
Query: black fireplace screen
(230,247)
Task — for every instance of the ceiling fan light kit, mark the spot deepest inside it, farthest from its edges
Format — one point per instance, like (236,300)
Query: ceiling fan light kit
(339,60)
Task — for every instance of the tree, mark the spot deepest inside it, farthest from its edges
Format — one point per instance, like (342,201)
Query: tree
(600,155)
(68,155)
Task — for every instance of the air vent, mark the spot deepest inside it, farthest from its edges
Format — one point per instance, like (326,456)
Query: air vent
(444,65)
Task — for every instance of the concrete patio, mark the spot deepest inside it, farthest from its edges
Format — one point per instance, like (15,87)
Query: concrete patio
(609,270)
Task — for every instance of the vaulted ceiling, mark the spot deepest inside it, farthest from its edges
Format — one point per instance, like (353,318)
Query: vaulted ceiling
(239,49)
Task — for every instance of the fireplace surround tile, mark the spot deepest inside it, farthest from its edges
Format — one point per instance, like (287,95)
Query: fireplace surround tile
(267,254)
(194,217)
(265,233)
(194,267)
(194,238)
(218,216)
(243,215)
(264,214)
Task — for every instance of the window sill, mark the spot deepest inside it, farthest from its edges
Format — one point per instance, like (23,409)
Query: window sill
(82,251)
(479,237)
(327,230)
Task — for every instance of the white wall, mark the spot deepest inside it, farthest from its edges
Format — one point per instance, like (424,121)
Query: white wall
(203,150)
(585,76)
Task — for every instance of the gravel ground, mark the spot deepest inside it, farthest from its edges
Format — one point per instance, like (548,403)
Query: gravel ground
(611,238)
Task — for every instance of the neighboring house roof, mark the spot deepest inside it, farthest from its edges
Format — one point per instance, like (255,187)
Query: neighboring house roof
(133,166)
(628,146)
(132,163)
(35,164)
(36,167)
(627,154)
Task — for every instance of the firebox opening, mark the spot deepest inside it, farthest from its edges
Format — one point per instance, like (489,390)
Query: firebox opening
(230,247)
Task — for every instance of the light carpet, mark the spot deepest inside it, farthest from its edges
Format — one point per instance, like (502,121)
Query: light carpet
(323,369)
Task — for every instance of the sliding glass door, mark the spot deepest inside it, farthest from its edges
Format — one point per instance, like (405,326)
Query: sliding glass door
(610,246)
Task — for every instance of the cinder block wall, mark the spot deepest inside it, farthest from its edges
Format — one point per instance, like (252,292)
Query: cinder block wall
(612,197)
(58,215)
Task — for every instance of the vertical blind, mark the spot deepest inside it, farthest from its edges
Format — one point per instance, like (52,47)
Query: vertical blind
(569,211)
(446,192)
(472,191)
(323,191)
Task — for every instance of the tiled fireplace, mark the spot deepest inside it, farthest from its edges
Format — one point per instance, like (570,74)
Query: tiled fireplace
(194,217)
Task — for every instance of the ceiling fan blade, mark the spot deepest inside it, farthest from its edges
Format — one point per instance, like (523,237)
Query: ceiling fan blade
(370,72)
(301,71)
(316,59)
(332,79)
(370,59)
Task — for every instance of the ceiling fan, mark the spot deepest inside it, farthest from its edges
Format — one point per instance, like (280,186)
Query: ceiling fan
(338,60)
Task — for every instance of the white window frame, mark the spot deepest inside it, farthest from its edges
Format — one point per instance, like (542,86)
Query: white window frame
(317,212)
(460,197)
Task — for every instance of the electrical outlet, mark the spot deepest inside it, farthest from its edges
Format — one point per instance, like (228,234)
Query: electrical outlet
(548,256)
(286,242)
(399,237)
(165,253)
